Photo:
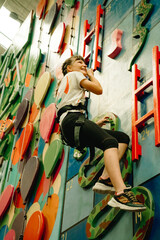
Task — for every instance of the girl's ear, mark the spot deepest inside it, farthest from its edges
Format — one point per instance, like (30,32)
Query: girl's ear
(69,68)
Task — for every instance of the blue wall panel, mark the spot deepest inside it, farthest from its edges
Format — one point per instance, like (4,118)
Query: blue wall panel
(78,203)
(89,12)
(122,230)
(115,12)
(77,232)
(148,165)
(125,223)
(73,164)
(154,186)
(116,79)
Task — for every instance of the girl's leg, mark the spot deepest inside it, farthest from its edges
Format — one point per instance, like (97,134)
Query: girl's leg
(93,135)
(121,150)
(111,161)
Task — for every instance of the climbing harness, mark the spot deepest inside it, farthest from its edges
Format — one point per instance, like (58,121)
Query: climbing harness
(78,124)
(80,106)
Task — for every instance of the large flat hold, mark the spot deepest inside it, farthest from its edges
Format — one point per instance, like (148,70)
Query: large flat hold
(21,114)
(5,127)
(47,122)
(25,139)
(66,54)
(53,154)
(50,18)
(11,235)
(28,177)
(5,199)
(35,227)
(23,36)
(22,144)
(57,38)
(19,224)
(42,88)
(69,3)
(41,8)
(34,60)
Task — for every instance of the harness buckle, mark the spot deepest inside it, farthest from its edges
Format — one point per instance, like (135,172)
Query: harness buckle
(79,122)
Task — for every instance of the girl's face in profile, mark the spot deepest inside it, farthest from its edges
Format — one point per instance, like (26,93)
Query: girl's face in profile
(79,66)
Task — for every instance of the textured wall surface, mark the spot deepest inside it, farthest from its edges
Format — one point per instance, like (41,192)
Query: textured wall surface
(54,185)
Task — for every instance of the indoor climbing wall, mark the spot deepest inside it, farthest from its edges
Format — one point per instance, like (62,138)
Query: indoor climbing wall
(46,187)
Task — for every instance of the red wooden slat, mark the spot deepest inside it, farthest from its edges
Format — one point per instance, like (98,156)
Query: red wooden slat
(155,112)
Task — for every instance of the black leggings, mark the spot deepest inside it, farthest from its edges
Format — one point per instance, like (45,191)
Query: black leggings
(91,134)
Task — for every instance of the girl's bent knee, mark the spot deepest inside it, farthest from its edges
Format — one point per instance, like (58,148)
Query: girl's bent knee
(109,143)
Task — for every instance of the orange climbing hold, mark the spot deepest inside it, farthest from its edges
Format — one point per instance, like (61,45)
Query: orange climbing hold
(35,227)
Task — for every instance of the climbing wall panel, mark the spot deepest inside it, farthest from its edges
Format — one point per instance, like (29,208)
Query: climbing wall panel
(73,165)
(149,163)
(153,186)
(62,193)
(79,200)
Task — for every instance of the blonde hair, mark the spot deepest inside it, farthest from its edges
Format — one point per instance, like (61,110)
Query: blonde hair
(70,61)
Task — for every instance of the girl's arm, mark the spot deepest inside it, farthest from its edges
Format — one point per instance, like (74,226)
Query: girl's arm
(93,85)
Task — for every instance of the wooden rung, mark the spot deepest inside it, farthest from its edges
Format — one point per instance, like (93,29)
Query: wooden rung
(87,39)
(86,58)
(139,90)
(97,64)
(143,119)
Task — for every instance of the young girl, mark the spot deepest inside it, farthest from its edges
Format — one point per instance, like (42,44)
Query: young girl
(70,108)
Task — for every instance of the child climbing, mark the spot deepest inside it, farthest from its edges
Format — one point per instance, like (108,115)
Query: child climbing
(78,131)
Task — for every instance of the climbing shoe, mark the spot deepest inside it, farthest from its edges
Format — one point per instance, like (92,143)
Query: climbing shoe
(127,201)
(104,186)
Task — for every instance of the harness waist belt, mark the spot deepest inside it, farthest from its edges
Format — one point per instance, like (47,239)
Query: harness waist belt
(80,106)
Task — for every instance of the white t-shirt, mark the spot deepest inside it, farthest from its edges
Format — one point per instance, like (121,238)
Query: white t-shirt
(70,92)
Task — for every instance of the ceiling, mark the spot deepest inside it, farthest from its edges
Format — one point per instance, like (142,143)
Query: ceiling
(19,8)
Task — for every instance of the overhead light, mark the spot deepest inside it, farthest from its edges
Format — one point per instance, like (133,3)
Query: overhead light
(13,15)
